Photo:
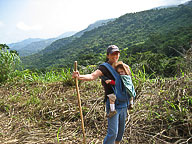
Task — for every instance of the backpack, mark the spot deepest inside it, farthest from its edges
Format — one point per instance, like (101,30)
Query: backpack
(119,89)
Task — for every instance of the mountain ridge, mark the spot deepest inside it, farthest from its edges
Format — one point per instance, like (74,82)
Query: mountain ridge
(33,45)
(128,31)
(64,41)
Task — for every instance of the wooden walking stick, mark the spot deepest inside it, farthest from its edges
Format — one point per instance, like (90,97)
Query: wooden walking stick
(79,102)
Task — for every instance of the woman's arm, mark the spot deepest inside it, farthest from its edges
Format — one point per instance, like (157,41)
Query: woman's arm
(87,77)
(128,69)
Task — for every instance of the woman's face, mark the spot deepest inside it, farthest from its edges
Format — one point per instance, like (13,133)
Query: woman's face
(114,57)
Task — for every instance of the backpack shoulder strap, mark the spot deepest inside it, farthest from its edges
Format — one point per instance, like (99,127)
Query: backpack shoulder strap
(112,70)
(118,89)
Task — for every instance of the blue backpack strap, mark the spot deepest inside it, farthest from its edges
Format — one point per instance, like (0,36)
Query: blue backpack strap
(119,88)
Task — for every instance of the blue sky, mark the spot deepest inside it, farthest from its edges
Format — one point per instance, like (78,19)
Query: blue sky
(22,19)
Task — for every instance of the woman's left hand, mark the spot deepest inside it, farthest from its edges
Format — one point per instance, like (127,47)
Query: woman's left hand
(75,74)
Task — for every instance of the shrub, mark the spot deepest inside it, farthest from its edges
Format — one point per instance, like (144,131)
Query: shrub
(8,62)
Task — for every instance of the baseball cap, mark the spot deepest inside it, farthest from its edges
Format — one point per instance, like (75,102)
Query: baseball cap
(112,48)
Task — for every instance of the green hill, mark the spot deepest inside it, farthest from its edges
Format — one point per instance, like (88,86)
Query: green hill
(133,32)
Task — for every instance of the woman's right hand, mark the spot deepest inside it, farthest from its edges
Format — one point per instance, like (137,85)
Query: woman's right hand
(75,74)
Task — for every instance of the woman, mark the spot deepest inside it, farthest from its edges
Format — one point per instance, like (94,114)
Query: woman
(116,124)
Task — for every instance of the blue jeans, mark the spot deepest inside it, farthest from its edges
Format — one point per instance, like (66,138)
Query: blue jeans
(116,126)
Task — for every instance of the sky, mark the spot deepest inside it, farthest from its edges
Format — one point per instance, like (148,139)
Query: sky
(22,19)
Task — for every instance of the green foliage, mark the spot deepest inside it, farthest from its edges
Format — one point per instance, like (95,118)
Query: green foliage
(160,31)
(3,47)
(171,43)
(67,78)
(49,76)
(87,69)
(58,134)
(8,63)
(174,66)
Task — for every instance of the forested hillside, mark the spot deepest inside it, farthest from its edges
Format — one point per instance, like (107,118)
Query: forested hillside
(166,31)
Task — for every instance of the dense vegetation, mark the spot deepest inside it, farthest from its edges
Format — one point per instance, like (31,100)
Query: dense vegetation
(164,32)
(9,61)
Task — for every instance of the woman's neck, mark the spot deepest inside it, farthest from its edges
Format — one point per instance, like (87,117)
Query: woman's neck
(110,62)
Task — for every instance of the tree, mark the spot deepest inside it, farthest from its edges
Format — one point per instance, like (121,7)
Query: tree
(3,46)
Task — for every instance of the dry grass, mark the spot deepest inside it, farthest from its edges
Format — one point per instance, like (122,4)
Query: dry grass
(47,113)
(154,120)
(34,113)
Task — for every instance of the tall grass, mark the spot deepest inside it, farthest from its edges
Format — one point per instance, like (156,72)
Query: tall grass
(28,76)
(10,61)
(140,78)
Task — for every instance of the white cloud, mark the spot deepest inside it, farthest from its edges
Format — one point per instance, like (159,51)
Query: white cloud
(25,27)
(173,2)
(1,23)
(50,18)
